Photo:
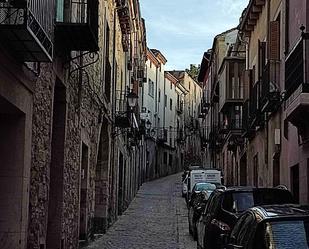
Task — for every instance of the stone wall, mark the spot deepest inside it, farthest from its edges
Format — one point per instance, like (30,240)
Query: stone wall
(41,156)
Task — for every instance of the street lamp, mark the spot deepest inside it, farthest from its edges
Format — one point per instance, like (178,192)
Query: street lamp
(132,99)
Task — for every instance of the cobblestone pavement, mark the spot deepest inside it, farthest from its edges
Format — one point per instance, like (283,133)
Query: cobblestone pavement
(157,218)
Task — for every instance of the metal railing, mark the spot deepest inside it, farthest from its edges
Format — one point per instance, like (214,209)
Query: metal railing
(295,66)
(270,84)
(38,16)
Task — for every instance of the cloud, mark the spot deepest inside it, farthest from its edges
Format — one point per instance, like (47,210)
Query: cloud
(183,30)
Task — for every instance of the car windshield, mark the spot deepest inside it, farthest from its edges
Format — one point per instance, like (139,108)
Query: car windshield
(205,186)
(289,234)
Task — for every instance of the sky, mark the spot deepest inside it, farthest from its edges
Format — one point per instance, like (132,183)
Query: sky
(184,29)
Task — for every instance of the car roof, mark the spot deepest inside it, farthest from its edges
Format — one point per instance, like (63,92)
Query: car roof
(267,212)
(251,189)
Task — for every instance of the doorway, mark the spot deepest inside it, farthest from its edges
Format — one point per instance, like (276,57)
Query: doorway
(243,170)
(13,179)
(295,182)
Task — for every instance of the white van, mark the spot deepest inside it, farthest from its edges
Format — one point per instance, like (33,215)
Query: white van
(204,175)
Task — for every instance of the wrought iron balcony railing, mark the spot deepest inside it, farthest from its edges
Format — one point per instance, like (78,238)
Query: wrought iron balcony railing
(296,68)
(78,30)
(27,26)
(270,91)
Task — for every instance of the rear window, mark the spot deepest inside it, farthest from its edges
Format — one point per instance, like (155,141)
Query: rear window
(205,186)
(237,202)
(287,234)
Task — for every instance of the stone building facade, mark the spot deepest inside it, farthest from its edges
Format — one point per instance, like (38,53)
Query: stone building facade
(60,145)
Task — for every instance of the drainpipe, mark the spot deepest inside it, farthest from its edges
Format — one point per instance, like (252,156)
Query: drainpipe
(113,102)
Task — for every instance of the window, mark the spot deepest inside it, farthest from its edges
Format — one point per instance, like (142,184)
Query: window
(255,171)
(165,100)
(171,104)
(171,85)
(287,234)
(165,158)
(295,182)
(150,87)
(307,180)
(159,97)
(237,202)
(170,160)
(245,233)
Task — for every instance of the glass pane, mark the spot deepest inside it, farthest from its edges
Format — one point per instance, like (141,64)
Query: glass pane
(60,10)
(287,235)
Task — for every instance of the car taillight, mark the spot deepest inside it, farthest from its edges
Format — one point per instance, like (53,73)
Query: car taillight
(223,226)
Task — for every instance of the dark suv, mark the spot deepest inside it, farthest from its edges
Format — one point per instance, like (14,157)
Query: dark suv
(272,226)
(225,206)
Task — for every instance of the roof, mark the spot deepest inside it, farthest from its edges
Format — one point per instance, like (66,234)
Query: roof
(170,77)
(204,66)
(251,14)
(280,211)
(217,37)
(246,189)
(179,74)
(159,55)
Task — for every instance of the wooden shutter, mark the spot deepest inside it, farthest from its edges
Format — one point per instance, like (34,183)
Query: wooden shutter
(274,40)
(261,58)
(247,81)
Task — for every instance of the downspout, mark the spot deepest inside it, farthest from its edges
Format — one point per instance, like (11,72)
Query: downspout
(268,52)
(112,144)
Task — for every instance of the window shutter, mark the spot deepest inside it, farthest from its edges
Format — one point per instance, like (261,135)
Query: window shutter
(274,40)
(247,81)
(262,58)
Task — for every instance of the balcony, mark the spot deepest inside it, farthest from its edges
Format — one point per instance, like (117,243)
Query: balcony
(77,27)
(26,30)
(231,123)
(162,136)
(232,88)
(255,115)
(270,95)
(247,130)
(297,83)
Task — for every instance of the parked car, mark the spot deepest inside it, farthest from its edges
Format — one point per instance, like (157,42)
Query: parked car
(199,197)
(225,206)
(185,186)
(268,227)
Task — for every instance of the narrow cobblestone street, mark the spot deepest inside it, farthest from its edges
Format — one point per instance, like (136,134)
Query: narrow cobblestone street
(157,218)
